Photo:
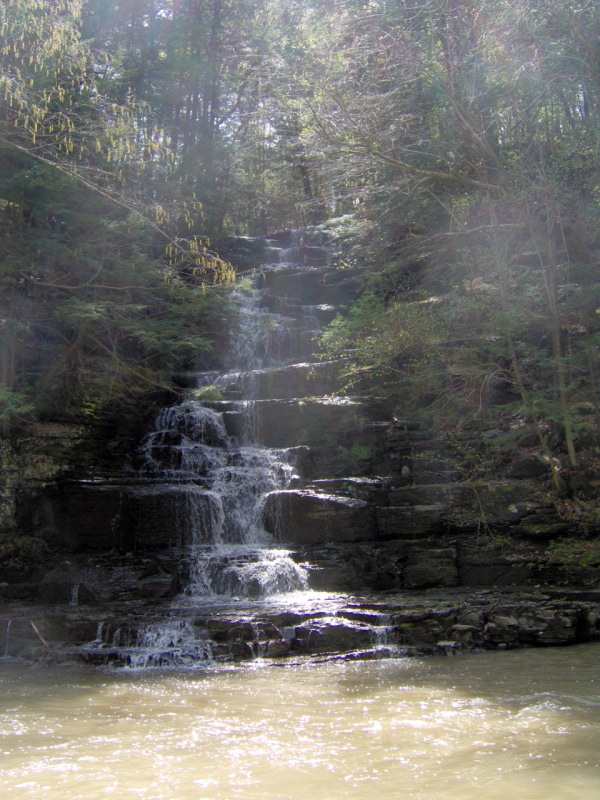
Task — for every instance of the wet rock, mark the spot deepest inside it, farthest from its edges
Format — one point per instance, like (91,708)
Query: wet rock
(428,568)
(592,621)
(371,490)
(125,518)
(266,631)
(528,467)
(409,522)
(302,516)
(449,648)
(331,578)
(467,634)
(63,586)
(286,619)
(244,632)
(241,651)
(501,630)
(471,619)
(157,588)
(543,526)
(278,649)
(560,629)
(424,632)
(335,635)
(301,380)
(308,284)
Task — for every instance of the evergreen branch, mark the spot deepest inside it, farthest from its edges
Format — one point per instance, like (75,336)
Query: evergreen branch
(73,173)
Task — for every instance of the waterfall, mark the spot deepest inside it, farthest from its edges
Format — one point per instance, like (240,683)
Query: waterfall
(210,453)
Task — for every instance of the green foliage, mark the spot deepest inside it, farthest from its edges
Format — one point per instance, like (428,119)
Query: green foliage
(95,312)
(21,552)
(469,142)
(209,393)
(574,554)
(13,404)
(570,561)
(455,150)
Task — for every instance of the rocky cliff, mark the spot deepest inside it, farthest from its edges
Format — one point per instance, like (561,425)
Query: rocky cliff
(374,504)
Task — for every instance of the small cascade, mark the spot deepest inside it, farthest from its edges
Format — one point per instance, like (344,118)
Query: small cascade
(289,252)
(207,458)
(223,501)
(214,478)
(245,573)
(170,643)
(174,643)
(384,634)
(189,441)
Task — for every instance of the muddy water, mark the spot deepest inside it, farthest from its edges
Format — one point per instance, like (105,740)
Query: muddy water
(521,724)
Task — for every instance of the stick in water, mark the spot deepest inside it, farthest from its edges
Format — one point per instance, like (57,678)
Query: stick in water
(39,635)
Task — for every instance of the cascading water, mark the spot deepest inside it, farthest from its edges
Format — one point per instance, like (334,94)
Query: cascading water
(205,474)
(223,477)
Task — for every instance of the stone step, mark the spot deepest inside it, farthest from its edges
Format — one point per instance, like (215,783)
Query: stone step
(307,517)
(145,516)
(443,622)
(307,285)
(410,522)
(382,511)
(303,516)
(430,469)
(315,421)
(382,449)
(322,313)
(473,502)
(306,379)
(371,489)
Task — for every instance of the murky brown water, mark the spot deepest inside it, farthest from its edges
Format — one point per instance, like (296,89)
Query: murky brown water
(522,724)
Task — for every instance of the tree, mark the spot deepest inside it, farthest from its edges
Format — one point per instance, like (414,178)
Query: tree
(104,289)
(478,124)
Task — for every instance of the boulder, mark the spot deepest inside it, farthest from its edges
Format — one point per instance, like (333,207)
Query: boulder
(277,649)
(528,467)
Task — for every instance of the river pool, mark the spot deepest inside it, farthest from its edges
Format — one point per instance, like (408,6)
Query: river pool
(518,724)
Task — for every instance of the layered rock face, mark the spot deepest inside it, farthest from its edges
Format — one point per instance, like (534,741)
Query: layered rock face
(282,486)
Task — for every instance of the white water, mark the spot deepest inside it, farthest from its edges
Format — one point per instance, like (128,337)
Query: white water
(190,448)
(244,572)
(523,725)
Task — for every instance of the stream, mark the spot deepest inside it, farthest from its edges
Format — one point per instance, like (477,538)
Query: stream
(519,724)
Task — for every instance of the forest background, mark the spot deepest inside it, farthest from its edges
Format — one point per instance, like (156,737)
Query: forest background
(448,150)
